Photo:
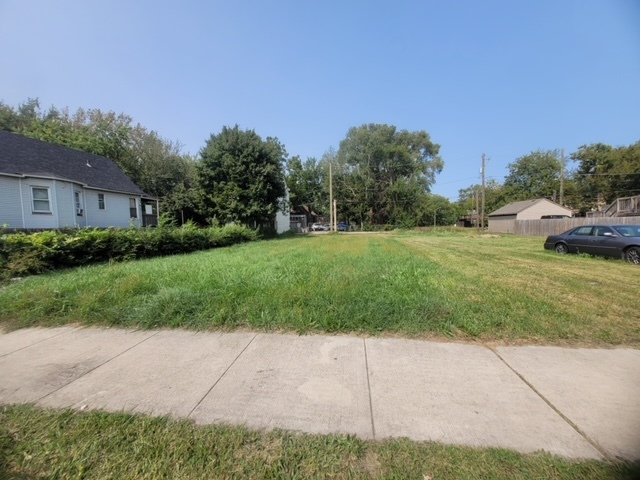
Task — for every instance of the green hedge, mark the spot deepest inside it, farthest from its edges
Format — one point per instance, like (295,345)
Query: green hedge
(25,254)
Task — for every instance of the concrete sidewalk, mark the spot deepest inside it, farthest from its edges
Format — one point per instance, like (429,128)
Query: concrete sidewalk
(579,403)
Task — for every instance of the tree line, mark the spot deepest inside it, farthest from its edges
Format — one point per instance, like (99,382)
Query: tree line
(381,175)
(586,180)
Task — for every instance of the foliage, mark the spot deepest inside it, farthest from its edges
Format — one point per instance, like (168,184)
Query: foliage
(241,177)
(536,175)
(605,173)
(382,173)
(24,254)
(441,283)
(495,197)
(308,183)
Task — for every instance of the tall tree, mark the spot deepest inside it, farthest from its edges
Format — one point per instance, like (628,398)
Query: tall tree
(306,183)
(382,172)
(241,177)
(536,175)
(605,173)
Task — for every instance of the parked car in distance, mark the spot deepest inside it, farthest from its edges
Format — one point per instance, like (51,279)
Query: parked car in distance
(343,227)
(319,227)
(618,241)
(547,217)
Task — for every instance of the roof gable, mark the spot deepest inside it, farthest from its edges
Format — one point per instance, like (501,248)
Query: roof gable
(516,207)
(24,156)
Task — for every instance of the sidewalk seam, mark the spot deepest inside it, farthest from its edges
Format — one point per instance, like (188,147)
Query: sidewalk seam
(221,376)
(97,366)
(592,442)
(35,343)
(366,363)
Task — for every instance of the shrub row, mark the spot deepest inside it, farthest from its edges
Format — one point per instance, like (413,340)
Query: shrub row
(24,254)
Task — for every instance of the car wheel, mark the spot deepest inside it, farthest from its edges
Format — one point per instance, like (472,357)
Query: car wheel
(632,255)
(561,248)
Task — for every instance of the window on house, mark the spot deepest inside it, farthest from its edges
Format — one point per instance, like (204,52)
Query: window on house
(40,197)
(133,211)
(78,200)
(101,201)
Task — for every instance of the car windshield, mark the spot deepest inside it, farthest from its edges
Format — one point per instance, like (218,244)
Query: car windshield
(629,230)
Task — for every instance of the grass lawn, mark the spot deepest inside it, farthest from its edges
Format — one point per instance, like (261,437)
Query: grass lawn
(461,286)
(37,443)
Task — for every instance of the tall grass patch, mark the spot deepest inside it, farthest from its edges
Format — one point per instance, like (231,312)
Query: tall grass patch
(415,285)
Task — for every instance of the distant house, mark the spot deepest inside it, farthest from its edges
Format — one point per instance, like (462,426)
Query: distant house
(301,218)
(46,186)
(525,210)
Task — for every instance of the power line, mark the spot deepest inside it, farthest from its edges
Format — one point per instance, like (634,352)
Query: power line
(456,181)
(604,174)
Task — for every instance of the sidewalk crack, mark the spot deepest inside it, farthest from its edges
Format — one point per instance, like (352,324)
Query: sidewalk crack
(35,343)
(97,366)
(366,362)
(592,442)
(222,376)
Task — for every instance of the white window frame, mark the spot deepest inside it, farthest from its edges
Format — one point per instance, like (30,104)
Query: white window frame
(34,199)
(77,200)
(134,209)
(102,201)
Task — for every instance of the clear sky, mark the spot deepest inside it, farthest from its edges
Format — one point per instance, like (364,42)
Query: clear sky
(503,77)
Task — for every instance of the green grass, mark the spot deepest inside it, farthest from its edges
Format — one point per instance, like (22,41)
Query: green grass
(36,443)
(486,288)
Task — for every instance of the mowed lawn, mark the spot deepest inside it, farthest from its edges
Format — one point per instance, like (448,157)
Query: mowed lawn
(38,443)
(461,286)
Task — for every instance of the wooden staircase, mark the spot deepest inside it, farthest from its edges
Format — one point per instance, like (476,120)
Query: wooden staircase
(621,207)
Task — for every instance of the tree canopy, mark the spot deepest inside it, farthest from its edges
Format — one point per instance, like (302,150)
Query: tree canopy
(382,173)
(536,175)
(605,173)
(241,177)
(307,182)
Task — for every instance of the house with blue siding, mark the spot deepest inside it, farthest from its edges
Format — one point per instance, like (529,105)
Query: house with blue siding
(47,186)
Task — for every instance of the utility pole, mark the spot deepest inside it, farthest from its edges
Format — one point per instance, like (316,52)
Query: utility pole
(334,226)
(330,197)
(483,189)
(562,179)
(477,210)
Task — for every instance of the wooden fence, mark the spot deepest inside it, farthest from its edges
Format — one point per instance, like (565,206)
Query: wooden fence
(543,228)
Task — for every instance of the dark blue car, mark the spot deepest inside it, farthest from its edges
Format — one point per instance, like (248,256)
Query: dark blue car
(618,241)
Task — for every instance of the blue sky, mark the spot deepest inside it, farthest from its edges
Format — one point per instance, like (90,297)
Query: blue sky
(494,76)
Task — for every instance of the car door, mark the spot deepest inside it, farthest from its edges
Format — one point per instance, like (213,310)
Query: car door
(579,241)
(605,242)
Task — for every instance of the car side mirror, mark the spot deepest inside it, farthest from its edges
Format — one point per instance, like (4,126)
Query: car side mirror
(609,234)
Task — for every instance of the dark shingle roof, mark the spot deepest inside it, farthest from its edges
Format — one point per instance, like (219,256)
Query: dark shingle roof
(20,155)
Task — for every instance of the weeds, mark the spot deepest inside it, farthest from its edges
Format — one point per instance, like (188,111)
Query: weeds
(410,284)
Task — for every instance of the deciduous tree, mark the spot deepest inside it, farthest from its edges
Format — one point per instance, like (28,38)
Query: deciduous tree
(536,175)
(241,177)
(383,173)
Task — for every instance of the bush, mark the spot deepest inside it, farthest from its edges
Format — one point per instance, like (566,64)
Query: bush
(25,254)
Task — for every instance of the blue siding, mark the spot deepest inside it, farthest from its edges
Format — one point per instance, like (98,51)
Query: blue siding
(10,207)
(115,213)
